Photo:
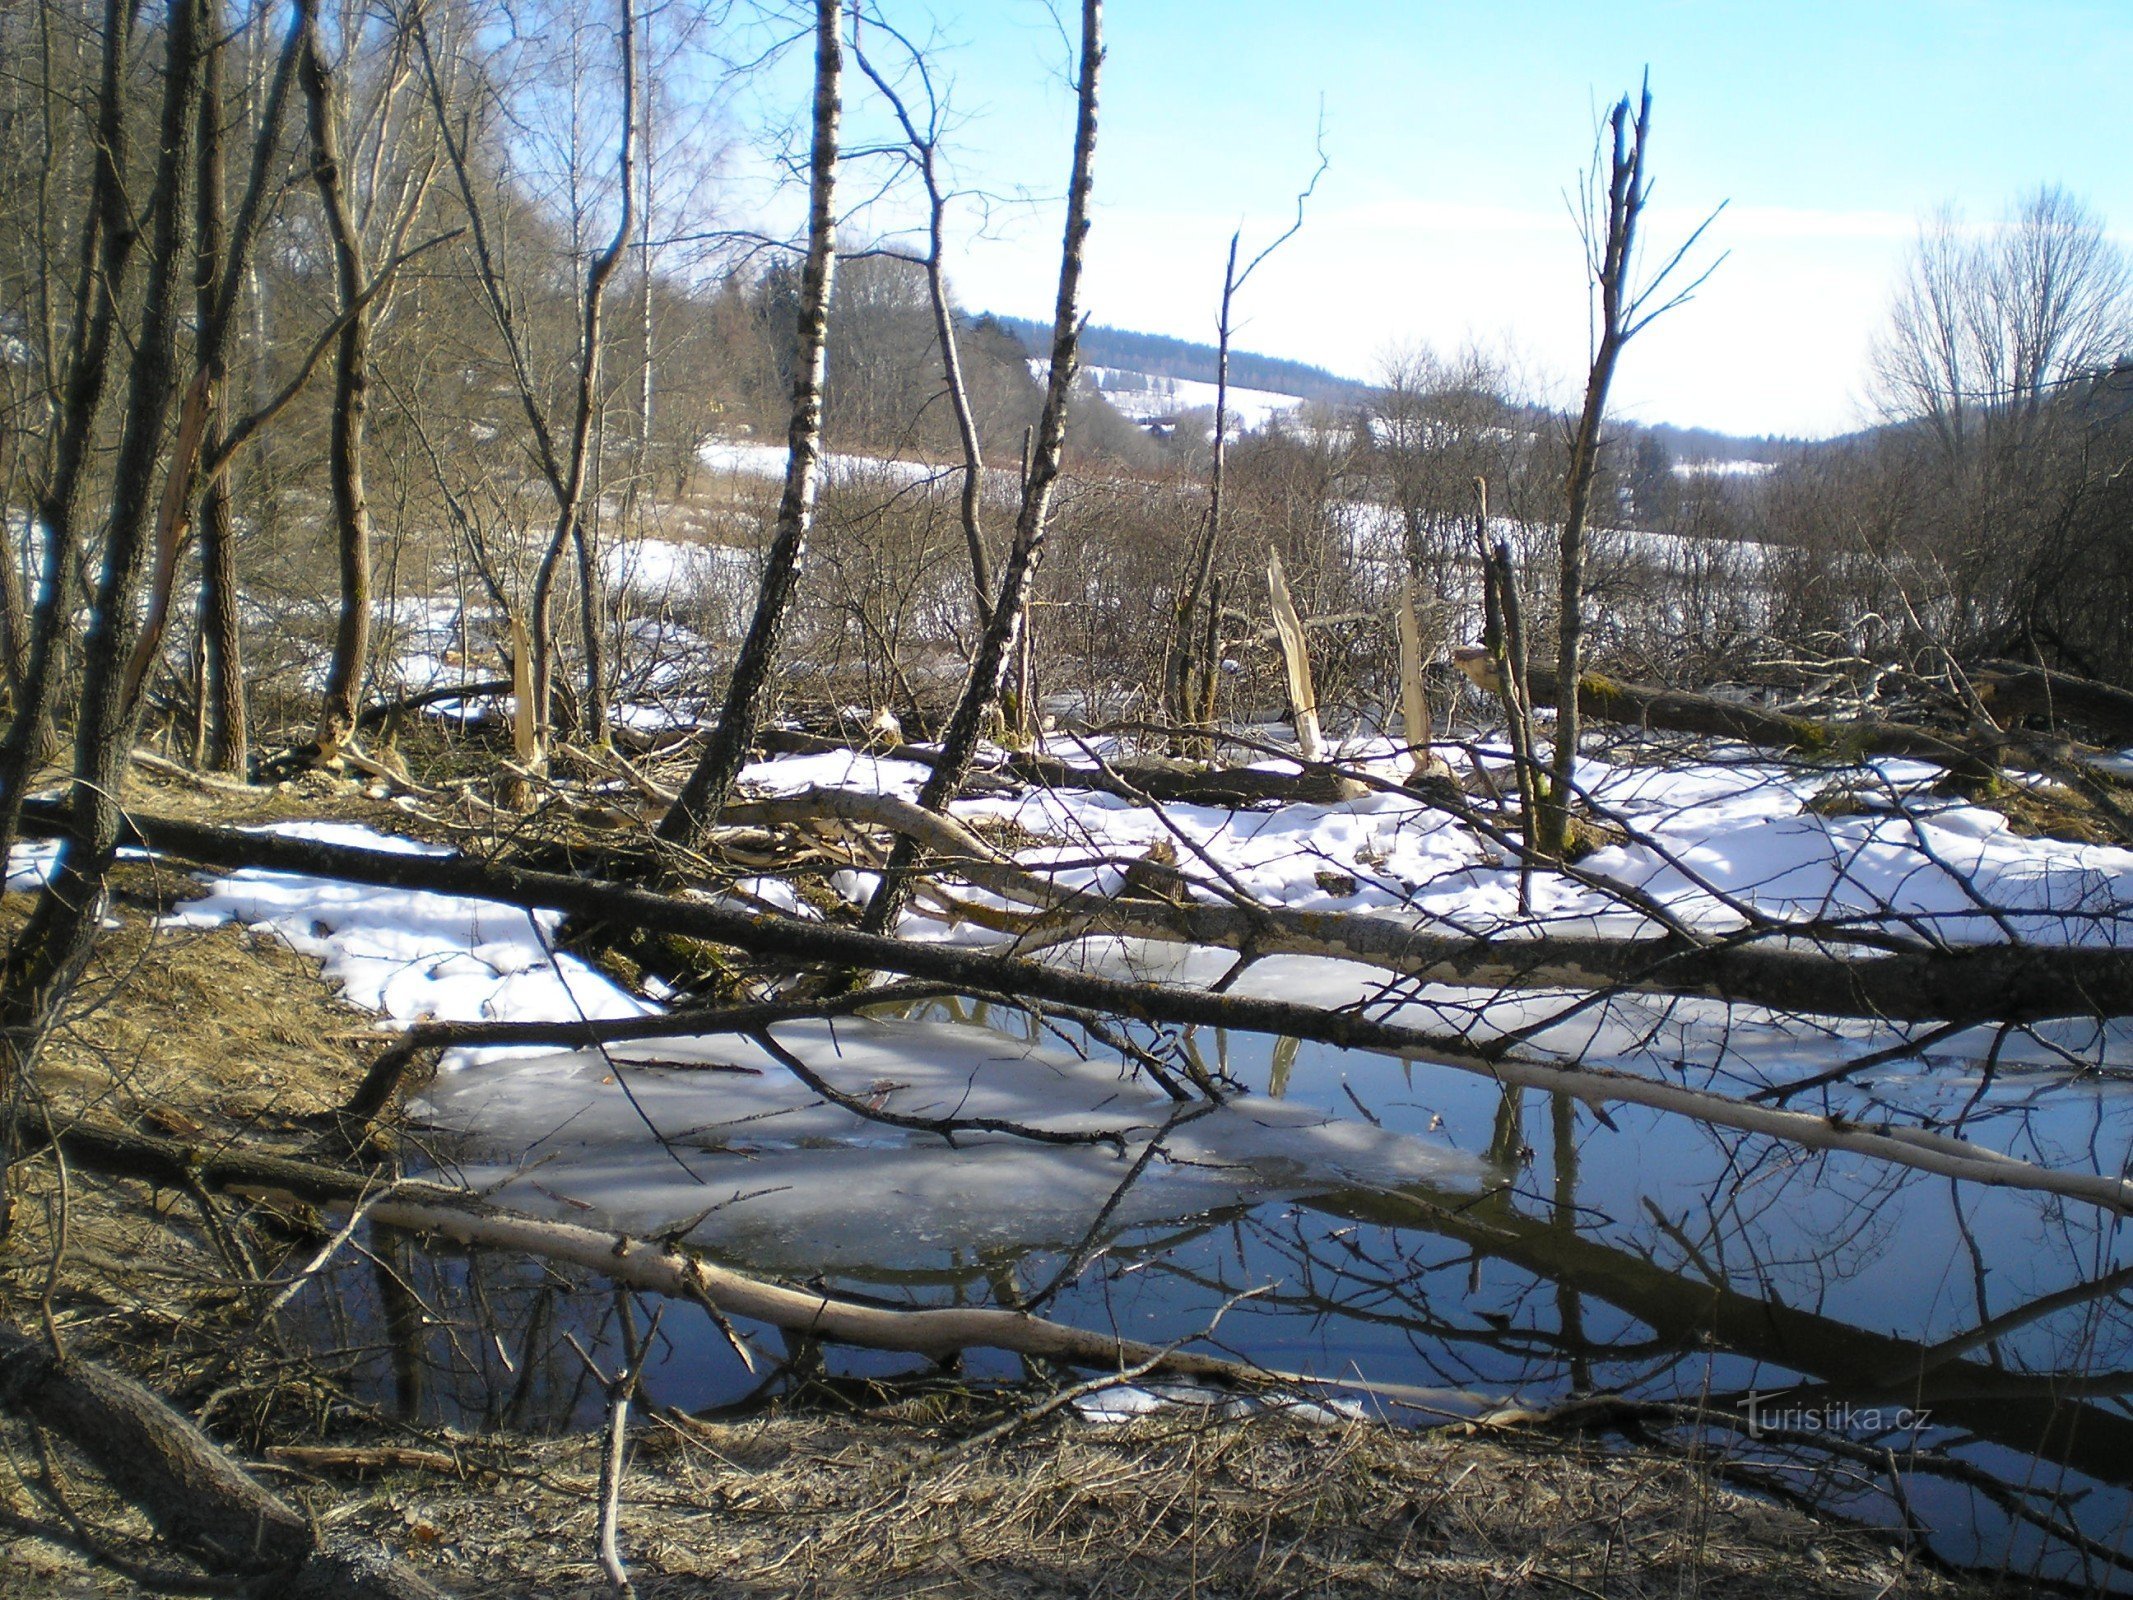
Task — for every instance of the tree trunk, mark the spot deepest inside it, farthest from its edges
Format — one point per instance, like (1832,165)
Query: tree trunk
(1182,691)
(1604,699)
(221,744)
(570,529)
(988,667)
(1612,265)
(339,706)
(207,1506)
(226,742)
(108,238)
(925,149)
(749,689)
(14,618)
(49,952)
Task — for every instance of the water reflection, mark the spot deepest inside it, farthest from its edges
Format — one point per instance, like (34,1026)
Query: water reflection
(1952,1363)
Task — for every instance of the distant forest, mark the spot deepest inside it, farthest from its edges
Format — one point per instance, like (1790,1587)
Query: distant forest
(1164,357)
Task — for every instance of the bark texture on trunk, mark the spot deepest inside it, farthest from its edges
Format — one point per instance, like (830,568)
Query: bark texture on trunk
(108,238)
(49,952)
(339,706)
(988,667)
(748,691)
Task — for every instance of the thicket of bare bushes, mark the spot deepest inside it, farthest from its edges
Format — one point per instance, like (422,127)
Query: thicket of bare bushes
(1986,519)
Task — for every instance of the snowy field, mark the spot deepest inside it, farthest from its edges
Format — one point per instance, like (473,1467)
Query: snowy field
(1146,398)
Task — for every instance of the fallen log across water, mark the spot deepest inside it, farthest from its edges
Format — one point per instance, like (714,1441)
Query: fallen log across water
(787,939)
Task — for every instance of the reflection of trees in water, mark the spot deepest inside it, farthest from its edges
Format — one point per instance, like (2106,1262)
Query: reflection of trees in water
(428,1335)
(2018,1397)
(1733,1276)
(1725,1305)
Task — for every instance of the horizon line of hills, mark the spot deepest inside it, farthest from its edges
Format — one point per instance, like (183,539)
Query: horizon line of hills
(1161,355)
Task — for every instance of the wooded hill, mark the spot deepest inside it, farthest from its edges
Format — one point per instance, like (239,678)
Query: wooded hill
(1161,356)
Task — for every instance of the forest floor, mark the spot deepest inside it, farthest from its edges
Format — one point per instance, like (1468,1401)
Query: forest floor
(221,1033)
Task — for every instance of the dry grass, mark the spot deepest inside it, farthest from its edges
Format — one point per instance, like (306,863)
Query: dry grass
(1173,1505)
(178,1029)
(1176,1504)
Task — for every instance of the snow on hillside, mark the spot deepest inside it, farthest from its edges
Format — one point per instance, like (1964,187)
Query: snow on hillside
(1146,398)
(1724,469)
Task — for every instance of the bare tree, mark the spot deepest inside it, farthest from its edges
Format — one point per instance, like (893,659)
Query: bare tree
(220,740)
(1623,307)
(748,690)
(1995,474)
(570,519)
(1988,323)
(107,245)
(988,665)
(923,148)
(564,469)
(351,401)
(1192,673)
(49,952)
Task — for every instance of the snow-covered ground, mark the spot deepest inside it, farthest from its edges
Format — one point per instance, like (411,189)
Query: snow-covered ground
(1705,834)
(661,568)
(1145,398)
(735,458)
(1724,469)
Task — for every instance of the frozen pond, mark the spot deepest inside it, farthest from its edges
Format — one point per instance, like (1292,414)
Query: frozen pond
(1932,1356)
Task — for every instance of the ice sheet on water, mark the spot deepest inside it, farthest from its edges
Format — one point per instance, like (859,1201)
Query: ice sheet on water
(643,1137)
(782,1178)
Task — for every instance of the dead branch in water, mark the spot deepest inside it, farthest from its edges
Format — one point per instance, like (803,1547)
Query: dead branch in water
(670,1268)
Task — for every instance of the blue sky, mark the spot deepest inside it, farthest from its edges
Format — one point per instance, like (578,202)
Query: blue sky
(1453,131)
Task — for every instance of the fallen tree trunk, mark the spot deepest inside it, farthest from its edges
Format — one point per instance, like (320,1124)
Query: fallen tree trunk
(2010,689)
(1604,699)
(1980,983)
(1179,782)
(206,1505)
(789,939)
